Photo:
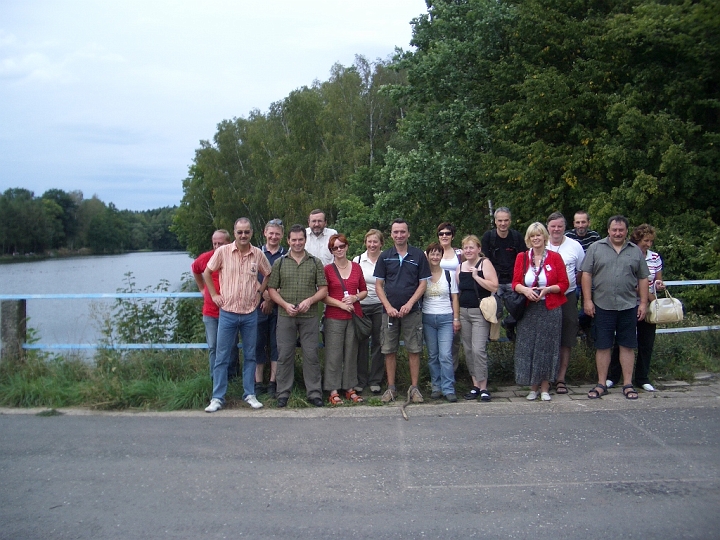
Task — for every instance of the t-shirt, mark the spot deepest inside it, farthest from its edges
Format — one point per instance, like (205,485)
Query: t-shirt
(401,275)
(573,255)
(502,252)
(353,284)
(198,266)
(585,241)
(317,246)
(368,269)
(437,300)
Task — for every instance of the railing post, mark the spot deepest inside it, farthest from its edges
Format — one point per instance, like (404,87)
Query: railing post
(13,327)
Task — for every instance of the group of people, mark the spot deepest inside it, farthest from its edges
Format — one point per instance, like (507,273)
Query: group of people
(274,297)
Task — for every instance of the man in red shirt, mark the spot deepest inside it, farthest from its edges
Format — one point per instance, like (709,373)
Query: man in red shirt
(210,312)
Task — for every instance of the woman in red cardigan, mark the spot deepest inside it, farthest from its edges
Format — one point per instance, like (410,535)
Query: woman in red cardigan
(541,277)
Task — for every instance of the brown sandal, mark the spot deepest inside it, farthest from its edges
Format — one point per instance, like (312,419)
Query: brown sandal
(334,398)
(352,396)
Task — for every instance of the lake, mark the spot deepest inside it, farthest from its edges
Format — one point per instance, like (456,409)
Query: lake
(70,321)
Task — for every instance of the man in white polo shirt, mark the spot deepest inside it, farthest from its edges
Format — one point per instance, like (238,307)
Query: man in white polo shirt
(318,236)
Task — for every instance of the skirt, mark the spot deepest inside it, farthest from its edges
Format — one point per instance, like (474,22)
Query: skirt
(537,345)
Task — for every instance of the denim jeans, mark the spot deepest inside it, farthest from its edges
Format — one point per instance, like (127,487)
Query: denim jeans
(211,326)
(438,330)
(266,346)
(229,325)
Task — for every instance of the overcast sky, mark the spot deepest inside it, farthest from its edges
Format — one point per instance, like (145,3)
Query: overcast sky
(113,97)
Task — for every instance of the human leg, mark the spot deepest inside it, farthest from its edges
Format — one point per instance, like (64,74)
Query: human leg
(261,343)
(445,343)
(211,327)
(286,341)
(227,339)
(248,330)
(430,331)
(349,362)
(309,328)
(334,340)
(412,332)
(646,342)
(479,338)
(390,343)
(377,361)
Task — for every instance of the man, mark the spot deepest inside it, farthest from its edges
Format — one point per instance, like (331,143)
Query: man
(296,284)
(501,245)
(401,274)
(318,236)
(267,312)
(581,232)
(239,264)
(614,275)
(573,255)
(586,237)
(210,312)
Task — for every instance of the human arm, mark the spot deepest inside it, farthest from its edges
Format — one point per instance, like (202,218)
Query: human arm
(287,306)
(456,312)
(417,295)
(200,281)
(305,305)
(643,292)
(380,292)
(207,277)
(490,280)
(588,305)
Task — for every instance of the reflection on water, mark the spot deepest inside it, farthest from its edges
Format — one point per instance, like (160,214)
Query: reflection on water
(70,321)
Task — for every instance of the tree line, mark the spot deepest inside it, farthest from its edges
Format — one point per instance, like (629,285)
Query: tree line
(65,221)
(612,106)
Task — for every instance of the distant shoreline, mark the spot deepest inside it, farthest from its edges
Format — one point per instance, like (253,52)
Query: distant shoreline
(66,254)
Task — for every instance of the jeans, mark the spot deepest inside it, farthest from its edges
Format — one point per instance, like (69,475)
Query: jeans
(211,326)
(438,331)
(229,325)
(266,346)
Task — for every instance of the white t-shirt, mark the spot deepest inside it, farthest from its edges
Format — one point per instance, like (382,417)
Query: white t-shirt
(368,268)
(572,255)
(450,264)
(317,246)
(436,300)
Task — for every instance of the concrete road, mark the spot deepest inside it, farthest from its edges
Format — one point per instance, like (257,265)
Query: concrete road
(518,470)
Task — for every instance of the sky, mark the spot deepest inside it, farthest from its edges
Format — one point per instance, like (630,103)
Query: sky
(113,98)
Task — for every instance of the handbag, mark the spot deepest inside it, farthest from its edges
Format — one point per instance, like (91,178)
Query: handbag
(514,301)
(361,325)
(664,310)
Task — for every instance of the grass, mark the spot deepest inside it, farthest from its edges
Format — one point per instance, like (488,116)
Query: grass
(175,380)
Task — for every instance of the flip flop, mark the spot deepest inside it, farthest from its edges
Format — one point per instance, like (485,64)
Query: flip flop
(561,387)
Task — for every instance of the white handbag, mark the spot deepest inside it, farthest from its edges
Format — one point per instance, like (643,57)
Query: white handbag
(664,310)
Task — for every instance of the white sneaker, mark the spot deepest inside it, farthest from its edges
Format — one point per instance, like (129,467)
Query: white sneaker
(532,396)
(545,396)
(609,384)
(215,405)
(253,402)
(648,387)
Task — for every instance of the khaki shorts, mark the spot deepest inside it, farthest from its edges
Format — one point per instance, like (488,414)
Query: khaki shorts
(409,326)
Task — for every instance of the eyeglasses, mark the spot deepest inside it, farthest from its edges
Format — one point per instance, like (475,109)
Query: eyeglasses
(444,233)
(275,222)
(338,248)
(242,233)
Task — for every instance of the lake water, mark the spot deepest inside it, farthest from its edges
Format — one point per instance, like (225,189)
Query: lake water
(70,321)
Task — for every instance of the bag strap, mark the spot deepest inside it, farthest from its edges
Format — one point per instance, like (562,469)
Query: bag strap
(342,282)
(447,277)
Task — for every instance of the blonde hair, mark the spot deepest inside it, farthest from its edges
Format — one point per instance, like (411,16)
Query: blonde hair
(471,238)
(534,229)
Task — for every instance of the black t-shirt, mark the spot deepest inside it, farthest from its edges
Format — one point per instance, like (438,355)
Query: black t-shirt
(502,252)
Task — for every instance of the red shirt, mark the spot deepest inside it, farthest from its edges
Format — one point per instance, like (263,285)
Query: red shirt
(198,267)
(354,284)
(555,273)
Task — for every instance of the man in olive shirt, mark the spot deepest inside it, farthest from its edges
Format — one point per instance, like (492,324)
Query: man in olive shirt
(614,274)
(296,284)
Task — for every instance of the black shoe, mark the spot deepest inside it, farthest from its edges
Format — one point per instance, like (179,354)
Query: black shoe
(472,394)
(259,389)
(272,389)
(484,395)
(510,333)
(318,402)
(452,398)
(282,402)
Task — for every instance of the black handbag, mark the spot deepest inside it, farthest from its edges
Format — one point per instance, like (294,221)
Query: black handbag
(362,325)
(514,301)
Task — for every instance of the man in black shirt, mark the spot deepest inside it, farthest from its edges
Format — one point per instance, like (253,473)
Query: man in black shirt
(501,245)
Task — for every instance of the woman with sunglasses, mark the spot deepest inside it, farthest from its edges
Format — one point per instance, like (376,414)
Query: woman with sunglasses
(346,287)
(451,259)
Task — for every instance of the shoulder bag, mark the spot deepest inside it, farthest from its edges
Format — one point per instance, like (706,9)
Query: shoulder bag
(514,301)
(664,310)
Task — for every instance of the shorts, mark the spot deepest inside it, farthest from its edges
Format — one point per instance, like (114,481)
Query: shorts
(570,324)
(410,326)
(612,326)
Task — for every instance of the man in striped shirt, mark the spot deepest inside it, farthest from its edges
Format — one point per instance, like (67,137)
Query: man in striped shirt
(240,263)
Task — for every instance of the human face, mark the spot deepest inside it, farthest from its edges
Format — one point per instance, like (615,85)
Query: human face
(372,244)
(471,251)
(317,223)
(339,249)
(400,234)
(581,224)
(502,222)
(434,258)
(646,243)
(617,232)
(272,236)
(218,239)
(445,237)
(537,241)
(296,241)
(556,228)
(243,234)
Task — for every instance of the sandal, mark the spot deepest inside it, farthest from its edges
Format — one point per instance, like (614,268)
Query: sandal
(594,394)
(352,396)
(629,392)
(334,398)
(561,387)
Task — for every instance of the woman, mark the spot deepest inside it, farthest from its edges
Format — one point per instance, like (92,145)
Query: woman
(476,279)
(451,259)
(440,319)
(372,308)
(541,277)
(346,287)
(643,236)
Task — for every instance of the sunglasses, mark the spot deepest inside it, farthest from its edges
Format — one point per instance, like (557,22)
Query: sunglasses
(444,233)
(242,233)
(338,248)
(275,222)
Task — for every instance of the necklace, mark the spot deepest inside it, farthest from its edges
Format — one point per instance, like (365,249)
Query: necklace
(342,267)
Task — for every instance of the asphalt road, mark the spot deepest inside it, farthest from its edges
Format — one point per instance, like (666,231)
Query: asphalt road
(623,472)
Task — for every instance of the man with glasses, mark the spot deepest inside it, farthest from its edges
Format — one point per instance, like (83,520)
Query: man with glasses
(296,284)
(318,236)
(239,264)
(267,312)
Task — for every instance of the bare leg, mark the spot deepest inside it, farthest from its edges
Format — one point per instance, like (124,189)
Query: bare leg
(390,365)
(414,360)
(273,370)
(564,363)
(259,372)
(602,361)
(627,361)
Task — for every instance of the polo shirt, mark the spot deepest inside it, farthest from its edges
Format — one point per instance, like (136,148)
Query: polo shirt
(572,255)
(585,241)
(317,246)
(615,275)
(402,276)
(239,276)
(296,282)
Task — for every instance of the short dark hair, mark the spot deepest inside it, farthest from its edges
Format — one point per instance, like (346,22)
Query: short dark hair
(297,228)
(447,225)
(334,238)
(582,212)
(434,246)
(317,211)
(620,218)
(554,216)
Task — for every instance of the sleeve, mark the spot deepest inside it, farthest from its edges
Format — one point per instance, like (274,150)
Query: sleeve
(362,286)
(587,265)
(321,280)
(453,283)
(265,268)
(520,242)
(424,268)
(198,266)
(215,262)
(561,271)
(380,267)
(485,243)
(518,277)
(274,280)
(580,258)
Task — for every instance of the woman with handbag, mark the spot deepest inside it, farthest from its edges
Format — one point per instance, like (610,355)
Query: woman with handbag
(476,279)
(440,319)
(643,236)
(451,259)
(346,287)
(541,277)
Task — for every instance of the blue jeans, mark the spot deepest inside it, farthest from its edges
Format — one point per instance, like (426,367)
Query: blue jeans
(438,330)
(229,325)
(211,326)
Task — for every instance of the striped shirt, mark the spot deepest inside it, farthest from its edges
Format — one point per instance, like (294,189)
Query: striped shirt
(239,277)
(586,241)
